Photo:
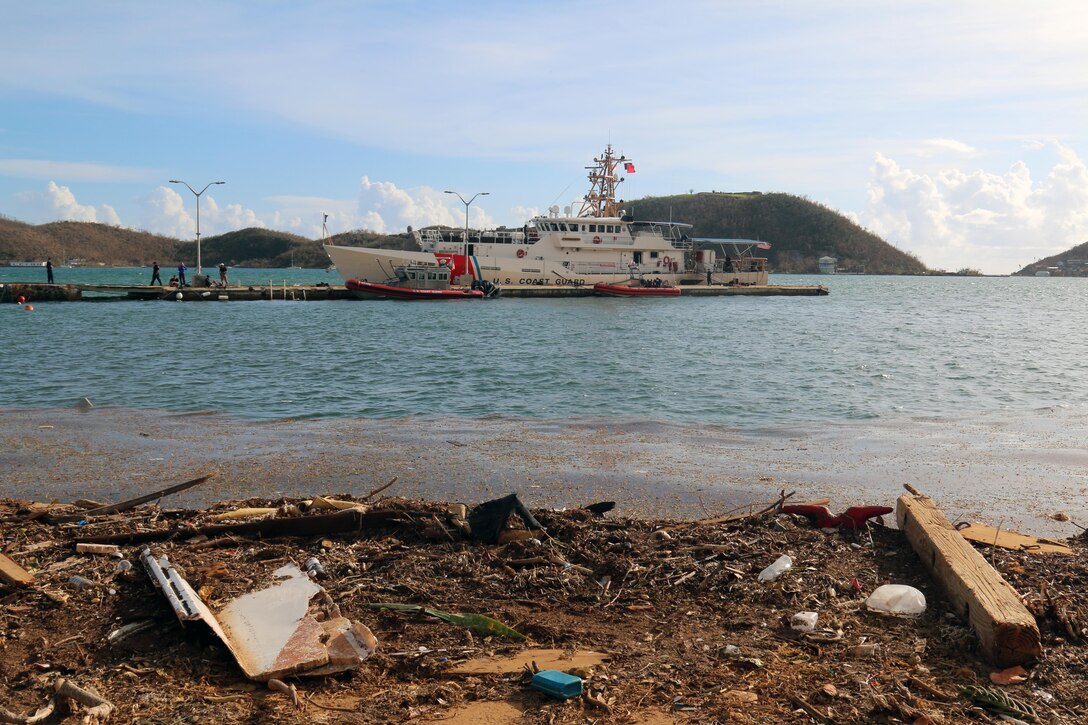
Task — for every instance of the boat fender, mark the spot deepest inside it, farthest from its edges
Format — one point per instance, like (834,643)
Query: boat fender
(596,240)
(667,261)
(521,253)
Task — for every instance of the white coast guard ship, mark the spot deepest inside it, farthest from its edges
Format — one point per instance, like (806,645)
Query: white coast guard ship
(601,244)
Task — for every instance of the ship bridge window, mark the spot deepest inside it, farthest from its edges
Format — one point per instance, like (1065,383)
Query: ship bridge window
(653,255)
(592,227)
(432,275)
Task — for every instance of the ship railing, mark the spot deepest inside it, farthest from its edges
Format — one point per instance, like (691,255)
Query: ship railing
(428,239)
(598,267)
(744,264)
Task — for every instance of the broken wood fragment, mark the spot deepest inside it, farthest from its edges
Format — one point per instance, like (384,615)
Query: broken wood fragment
(131,503)
(339,522)
(97,707)
(379,489)
(12,573)
(990,536)
(108,549)
(1006,630)
(243,513)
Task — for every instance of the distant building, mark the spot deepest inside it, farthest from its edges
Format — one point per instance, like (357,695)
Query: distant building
(827,265)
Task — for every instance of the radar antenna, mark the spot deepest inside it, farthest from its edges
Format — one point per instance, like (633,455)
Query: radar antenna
(603,179)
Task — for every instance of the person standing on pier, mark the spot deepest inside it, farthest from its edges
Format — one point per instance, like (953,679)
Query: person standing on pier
(223,274)
(155,278)
(49,270)
(181,275)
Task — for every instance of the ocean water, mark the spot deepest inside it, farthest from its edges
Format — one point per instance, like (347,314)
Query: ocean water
(876,348)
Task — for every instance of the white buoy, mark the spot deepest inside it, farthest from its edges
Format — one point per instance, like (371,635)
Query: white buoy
(179,296)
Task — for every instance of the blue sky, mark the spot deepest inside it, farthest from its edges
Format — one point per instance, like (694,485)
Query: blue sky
(955,130)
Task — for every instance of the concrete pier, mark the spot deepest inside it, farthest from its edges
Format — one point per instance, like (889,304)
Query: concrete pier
(308,293)
(34,292)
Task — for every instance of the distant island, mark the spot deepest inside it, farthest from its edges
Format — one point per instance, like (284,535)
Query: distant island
(801,232)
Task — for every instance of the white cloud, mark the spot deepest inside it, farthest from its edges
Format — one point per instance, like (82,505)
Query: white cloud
(217,220)
(169,213)
(72,171)
(59,203)
(524,212)
(385,208)
(998,223)
(933,146)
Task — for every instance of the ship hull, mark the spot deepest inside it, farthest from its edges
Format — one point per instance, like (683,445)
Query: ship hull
(377,265)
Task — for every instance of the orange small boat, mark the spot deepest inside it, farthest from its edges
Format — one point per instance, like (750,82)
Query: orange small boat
(622,290)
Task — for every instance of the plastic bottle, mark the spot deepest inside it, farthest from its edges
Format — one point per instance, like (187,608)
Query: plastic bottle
(775,570)
(81,582)
(897,599)
(313,567)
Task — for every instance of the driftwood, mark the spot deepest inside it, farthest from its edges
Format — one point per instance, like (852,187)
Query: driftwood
(98,709)
(339,522)
(132,503)
(1006,630)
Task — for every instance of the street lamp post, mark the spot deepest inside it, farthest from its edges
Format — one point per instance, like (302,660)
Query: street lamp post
(466,203)
(197,194)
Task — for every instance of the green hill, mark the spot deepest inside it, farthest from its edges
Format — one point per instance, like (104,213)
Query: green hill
(1070,263)
(799,231)
(85,241)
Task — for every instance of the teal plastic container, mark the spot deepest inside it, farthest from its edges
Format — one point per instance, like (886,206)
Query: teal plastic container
(557,684)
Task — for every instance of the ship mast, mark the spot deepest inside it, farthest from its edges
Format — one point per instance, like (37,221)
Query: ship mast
(603,179)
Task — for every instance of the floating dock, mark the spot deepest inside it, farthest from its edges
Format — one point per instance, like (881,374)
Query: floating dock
(10,292)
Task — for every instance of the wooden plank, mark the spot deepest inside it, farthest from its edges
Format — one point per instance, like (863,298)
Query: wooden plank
(12,573)
(986,534)
(1006,630)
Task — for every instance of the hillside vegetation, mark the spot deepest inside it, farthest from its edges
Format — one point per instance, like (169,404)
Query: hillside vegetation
(1070,263)
(799,231)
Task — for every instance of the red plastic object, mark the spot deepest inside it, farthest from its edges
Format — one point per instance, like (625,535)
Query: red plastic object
(854,517)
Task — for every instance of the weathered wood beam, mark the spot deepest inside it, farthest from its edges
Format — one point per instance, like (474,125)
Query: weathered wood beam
(1006,630)
(12,573)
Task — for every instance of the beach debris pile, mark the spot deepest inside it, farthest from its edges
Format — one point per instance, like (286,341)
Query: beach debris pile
(369,609)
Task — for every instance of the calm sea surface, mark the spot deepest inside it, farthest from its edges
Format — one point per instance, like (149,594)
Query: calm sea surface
(876,348)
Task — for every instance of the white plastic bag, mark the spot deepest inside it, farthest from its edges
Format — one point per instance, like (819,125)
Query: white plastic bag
(775,570)
(896,599)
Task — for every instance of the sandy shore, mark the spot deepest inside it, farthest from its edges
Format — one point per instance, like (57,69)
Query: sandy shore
(1009,472)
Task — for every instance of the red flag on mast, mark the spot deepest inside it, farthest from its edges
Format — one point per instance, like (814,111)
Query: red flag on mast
(629,167)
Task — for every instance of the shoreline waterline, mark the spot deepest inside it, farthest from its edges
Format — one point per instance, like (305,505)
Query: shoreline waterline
(1009,472)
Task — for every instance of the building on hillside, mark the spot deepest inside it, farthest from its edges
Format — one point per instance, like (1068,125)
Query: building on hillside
(827,265)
